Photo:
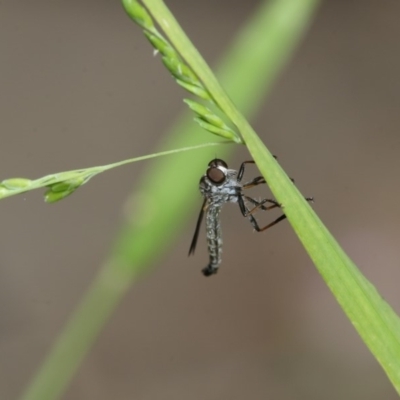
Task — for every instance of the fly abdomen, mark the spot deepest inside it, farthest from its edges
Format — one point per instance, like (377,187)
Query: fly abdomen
(214,239)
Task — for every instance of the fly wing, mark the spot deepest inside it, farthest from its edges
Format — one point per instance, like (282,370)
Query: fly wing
(196,232)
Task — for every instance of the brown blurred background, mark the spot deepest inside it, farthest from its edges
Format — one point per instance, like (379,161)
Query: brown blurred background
(79,87)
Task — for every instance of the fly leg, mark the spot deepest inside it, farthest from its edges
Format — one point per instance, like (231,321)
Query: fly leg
(254,182)
(259,205)
(264,228)
(241,172)
(241,169)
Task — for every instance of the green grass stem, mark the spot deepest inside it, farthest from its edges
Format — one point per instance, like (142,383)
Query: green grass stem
(372,317)
(63,182)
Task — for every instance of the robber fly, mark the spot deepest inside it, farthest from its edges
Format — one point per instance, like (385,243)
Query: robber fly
(221,185)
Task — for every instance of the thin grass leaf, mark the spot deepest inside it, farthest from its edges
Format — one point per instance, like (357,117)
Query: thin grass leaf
(16,183)
(373,318)
(175,64)
(225,133)
(62,184)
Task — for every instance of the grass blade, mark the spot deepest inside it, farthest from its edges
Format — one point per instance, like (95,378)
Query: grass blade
(372,317)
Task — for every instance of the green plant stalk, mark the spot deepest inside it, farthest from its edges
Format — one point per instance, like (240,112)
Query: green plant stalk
(83,175)
(134,248)
(372,317)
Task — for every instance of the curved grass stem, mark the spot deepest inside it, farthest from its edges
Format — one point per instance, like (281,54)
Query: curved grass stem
(373,318)
(62,184)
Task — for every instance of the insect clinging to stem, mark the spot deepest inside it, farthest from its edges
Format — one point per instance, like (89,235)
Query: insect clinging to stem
(220,185)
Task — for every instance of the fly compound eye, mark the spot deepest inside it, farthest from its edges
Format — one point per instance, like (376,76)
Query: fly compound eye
(217,163)
(216,175)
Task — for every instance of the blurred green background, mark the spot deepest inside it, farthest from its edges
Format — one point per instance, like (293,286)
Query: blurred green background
(80,87)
